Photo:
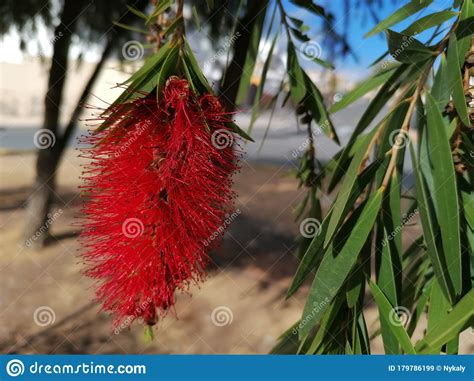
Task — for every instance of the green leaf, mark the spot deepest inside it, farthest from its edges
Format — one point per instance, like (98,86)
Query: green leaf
(150,64)
(136,12)
(171,27)
(464,30)
(441,90)
(131,28)
(288,341)
(399,15)
(239,131)
(360,90)
(258,95)
(199,79)
(337,263)
(168,67)
(468,207)
(444,181)
(295,74)
(196,17)
(327,322)
(429,225)
(455,80)
(407,49)
(346,188)
(210,4)
(314,101)
(460,317)
(428,22)
(160,7)
(390,318)
(310,6)
(251,57)
(438,308)
(388,260)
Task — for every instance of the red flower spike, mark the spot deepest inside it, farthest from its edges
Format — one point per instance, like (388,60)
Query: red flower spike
(157,189)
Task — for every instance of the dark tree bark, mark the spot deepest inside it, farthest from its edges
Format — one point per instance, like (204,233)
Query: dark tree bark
(230,86)
(43,189)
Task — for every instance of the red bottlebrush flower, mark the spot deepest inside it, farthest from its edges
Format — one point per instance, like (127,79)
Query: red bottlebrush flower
(157,190)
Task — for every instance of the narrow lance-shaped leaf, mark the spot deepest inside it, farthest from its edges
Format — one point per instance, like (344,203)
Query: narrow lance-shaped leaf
(445,191)
(360,90)
(455,80)
(438,308)
(337,264)
(346,188)
(441,90)
(252,55)
(407,49)
(391,320)
(427,222)
(258,95)
(458,319)
(428,21)
(295,75)
(399,15)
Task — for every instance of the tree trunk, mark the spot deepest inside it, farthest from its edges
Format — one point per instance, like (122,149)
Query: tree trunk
(230,86)
(43,189)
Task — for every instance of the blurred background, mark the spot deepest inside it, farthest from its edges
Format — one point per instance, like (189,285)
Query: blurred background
(58,56)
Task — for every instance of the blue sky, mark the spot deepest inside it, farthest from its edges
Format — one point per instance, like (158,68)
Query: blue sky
(368,49)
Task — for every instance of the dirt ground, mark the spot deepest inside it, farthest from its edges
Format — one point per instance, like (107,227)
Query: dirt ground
(46,304)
